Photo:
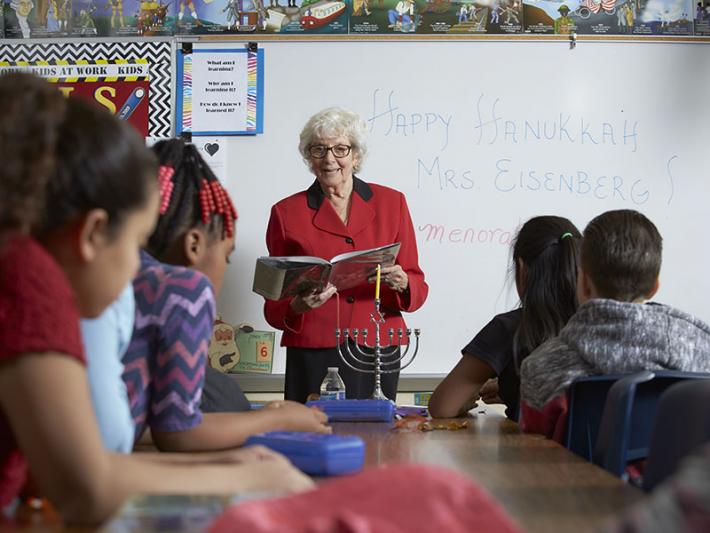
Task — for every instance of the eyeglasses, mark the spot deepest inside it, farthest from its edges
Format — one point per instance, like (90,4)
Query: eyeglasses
(319,151)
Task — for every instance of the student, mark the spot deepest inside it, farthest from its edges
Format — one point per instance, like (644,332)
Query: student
(105,340)
(612,331)
(544,261)
(84,182)
(166,360)
(680,504)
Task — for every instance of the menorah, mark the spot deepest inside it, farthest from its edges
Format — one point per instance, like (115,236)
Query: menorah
(383,359)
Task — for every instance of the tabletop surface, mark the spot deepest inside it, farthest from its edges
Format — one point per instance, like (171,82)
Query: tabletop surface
(540,484)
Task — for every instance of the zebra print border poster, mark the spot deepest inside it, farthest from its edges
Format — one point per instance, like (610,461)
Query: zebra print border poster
(157,55)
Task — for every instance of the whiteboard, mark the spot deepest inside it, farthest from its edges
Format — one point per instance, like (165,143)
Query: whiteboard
(477,135)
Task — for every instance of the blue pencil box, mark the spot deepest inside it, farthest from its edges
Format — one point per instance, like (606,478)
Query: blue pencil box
(356,410)
(316,453)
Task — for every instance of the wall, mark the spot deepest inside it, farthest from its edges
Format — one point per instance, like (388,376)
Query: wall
(481,136)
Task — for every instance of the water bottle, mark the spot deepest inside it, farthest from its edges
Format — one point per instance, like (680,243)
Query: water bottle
(333,387)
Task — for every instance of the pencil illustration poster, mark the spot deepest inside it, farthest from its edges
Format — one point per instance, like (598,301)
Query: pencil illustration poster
(130,79)
(120,86)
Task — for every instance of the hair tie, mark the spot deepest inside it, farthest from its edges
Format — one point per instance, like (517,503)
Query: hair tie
(165,185)
(568,234)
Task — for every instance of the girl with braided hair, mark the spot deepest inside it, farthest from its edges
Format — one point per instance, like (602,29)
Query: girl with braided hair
(170,385)
(81,196)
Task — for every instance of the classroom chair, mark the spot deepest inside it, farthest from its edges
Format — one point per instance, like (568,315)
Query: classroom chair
(586,399)
(682,425)
(628,416)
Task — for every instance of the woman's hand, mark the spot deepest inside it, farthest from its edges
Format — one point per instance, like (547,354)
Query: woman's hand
(297,417)
(312,300)
(395,278)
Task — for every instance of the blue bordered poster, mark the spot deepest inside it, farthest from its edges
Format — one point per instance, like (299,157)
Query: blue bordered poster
(220,91)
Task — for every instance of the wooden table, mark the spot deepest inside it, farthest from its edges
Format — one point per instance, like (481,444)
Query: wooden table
(544,487)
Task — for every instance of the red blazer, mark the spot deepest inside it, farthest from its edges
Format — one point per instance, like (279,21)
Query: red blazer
(305,224)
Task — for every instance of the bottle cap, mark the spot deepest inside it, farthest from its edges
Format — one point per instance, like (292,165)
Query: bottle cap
(333,369)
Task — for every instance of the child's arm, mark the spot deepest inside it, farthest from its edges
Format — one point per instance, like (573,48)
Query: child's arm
(226,430)
(45,398)
(455,393)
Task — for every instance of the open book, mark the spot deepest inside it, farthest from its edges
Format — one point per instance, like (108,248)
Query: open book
(276,278)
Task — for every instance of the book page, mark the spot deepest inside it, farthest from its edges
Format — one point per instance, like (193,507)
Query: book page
(278,277)
(383,255)
(354,268)
(293,261)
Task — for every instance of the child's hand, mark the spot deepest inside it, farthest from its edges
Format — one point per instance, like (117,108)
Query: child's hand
(277,475)
(297,417)
(489,391)
(251,454)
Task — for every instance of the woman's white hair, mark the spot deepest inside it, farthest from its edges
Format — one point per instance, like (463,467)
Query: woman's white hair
(334,122)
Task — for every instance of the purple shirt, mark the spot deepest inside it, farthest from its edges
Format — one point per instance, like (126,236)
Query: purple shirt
(165,362)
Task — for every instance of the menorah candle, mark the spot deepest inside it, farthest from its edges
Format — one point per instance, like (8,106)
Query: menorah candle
(377,283)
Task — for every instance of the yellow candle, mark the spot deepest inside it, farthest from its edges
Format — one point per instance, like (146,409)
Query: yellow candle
(377,283)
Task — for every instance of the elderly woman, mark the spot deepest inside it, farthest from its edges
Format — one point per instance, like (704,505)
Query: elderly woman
(340,213)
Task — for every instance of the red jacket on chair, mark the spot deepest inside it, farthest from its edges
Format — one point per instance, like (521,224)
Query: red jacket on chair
(305,224)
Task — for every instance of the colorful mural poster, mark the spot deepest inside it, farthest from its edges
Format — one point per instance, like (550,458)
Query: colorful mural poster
(88,18)
(702,17)
(220,91)
(307,16)
(613,17)
(436,16)
(548,16)
(469,17)
(20,15)
(136,17)
(263,16)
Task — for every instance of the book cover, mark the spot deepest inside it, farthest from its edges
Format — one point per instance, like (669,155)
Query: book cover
(276,278)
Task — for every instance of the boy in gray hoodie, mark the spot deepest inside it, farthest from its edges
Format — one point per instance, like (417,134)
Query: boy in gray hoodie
(612,331)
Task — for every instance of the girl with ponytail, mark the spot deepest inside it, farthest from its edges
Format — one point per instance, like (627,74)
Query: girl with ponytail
(545,259)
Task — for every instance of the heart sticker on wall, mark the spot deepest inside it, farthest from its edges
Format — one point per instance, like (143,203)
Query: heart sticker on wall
(211,148)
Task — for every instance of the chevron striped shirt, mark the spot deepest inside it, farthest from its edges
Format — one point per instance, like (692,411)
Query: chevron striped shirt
(165,362)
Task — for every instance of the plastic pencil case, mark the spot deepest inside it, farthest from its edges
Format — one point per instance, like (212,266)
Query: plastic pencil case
(356,410)
(317,454)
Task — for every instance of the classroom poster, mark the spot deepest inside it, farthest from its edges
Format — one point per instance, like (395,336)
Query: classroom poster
(609,17)
(392,16)
(263,16)
(479,17)
(436,16)
(306,16)
(131,79)
(702,17)
(120,86)
(220,91)
(549,16)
